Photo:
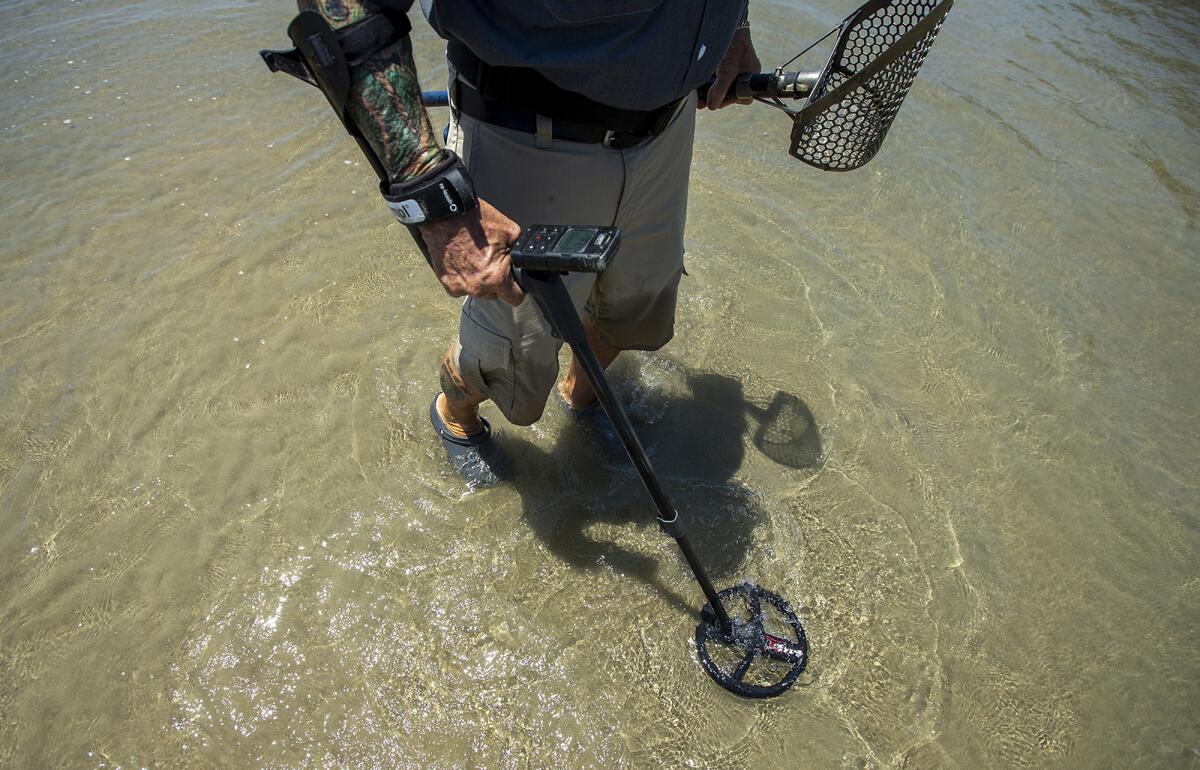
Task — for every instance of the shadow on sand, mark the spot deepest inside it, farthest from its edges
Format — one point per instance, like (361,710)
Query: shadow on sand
(697,444)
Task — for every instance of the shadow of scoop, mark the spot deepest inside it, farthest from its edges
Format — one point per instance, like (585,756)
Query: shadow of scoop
(787,432)
(697,436)
(702,436)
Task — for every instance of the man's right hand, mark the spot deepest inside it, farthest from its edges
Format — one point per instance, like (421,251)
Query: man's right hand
(470,254)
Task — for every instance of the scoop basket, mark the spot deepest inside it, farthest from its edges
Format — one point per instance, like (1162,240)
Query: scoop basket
(879,50)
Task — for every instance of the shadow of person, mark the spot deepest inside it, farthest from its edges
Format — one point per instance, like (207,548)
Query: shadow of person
(574,502)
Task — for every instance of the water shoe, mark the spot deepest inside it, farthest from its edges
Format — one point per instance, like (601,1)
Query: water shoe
(477,458)
(593,418)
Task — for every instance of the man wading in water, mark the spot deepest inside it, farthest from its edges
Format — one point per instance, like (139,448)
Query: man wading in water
(563,112)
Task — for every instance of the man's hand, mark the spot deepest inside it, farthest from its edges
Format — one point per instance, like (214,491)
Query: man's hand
(470,254)
(738,59)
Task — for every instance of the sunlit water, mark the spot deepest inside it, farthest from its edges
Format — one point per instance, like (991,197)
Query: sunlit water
(946,404)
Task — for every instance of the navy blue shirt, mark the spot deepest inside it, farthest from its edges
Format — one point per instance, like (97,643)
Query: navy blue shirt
(634,54)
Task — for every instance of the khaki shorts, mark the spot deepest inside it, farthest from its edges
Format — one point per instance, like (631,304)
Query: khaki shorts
(507,353)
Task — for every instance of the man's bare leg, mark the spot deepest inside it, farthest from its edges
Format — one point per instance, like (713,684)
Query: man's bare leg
(575,388)
(458,405)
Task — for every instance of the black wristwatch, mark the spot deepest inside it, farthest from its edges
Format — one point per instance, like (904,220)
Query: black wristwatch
(442,193)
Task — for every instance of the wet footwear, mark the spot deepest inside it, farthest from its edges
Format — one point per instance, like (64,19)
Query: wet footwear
(477,458)
(593,418)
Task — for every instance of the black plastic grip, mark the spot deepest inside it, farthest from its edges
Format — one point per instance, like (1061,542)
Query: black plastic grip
(746,86)
(759,84)
(767,85)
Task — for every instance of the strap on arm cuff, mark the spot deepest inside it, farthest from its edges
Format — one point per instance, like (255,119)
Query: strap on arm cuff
(444,192)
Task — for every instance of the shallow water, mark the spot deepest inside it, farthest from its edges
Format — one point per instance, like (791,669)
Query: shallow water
(946,404)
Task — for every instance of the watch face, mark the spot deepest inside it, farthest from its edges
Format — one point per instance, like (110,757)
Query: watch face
(575,239)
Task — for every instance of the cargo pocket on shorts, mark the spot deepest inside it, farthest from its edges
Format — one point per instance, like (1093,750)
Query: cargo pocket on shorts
(487,360)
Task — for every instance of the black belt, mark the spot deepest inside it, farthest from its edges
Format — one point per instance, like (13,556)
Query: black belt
(514,97)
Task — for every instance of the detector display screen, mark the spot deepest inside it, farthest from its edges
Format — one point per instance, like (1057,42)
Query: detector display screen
(575,239)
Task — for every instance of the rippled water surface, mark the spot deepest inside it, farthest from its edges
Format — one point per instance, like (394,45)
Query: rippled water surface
(947,405)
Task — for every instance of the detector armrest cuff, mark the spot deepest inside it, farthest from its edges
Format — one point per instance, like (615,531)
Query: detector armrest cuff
(357,42)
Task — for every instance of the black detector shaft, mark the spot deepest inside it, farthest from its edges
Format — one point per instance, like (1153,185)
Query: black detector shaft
(553,299)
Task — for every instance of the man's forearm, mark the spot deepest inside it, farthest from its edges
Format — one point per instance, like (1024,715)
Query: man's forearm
(385,97)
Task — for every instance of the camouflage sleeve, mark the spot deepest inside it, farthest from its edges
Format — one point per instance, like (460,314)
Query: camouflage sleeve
(385,101)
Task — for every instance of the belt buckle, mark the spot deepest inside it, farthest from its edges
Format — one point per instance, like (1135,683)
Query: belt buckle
(623,140)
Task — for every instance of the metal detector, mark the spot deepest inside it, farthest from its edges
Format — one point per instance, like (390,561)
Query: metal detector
(749,639)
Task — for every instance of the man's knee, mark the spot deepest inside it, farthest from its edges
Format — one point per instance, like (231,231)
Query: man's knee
(526,412)
(533,378)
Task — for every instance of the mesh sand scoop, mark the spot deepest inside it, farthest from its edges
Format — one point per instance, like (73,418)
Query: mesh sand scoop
(879,50)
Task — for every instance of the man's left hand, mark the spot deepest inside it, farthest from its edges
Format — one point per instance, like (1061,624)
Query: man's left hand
(738,59)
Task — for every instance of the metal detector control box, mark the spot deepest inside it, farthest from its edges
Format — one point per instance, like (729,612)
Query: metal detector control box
(566,248)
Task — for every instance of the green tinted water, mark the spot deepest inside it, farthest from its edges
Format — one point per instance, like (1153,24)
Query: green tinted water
(946,404)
